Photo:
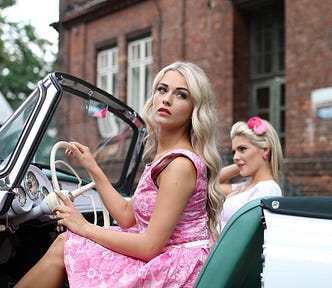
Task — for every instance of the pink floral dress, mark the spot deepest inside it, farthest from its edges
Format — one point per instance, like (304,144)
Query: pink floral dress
(89,264)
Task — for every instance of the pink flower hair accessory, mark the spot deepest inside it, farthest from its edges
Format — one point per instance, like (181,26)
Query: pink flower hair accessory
(257,125)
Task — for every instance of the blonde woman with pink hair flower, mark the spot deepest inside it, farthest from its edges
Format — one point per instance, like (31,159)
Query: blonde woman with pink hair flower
(258,159)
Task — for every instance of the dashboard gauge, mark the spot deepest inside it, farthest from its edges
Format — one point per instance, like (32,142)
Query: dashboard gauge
(20,196)
(44,192)
(32,185)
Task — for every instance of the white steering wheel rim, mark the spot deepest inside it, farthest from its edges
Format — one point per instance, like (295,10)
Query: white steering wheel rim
(60,144)
(72,194)
(56,186)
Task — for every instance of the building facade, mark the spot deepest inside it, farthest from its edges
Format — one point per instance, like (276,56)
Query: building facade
(271,58)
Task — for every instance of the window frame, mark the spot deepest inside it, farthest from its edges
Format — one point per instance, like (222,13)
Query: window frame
(110,70)
(274,79)
(141,62)
(107,126)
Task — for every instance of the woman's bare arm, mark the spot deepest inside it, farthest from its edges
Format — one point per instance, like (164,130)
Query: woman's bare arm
(120,209)
(176,184)
(228,172)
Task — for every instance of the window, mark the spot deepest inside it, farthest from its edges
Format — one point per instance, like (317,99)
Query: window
(139,72)
(267,76)
(107,72)
(267,43)
(268,100)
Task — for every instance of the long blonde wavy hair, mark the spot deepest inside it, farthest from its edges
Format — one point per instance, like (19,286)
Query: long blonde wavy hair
(202,131)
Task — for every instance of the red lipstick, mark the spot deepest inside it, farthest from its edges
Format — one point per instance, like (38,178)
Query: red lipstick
(164,111)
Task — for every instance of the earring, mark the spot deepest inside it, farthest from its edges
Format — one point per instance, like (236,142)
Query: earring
(264,157)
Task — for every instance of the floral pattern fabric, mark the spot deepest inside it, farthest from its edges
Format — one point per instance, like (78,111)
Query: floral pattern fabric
(89,264)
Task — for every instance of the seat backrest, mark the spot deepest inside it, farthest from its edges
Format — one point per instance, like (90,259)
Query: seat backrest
(235,259)
(297,242)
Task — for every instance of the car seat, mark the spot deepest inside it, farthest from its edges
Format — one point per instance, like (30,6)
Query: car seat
(235,259)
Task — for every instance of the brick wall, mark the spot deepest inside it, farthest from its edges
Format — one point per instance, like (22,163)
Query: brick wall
(214,34)
(308,67)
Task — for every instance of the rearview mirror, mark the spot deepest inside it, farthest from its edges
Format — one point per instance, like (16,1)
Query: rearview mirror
(97,109)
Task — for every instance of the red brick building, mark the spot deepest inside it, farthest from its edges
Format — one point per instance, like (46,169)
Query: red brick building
(271,58)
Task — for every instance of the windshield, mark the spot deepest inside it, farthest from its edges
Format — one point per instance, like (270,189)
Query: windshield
(108,138)
(11,132)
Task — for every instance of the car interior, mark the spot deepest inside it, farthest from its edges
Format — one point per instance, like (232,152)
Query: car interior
(243,257)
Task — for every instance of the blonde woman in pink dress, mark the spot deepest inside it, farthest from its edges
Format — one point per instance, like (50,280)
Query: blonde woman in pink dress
(164,230)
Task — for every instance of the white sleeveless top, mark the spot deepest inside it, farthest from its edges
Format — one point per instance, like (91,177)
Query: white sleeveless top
(236,201)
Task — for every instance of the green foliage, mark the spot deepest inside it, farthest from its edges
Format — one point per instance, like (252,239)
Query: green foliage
(6,3)
(23,58)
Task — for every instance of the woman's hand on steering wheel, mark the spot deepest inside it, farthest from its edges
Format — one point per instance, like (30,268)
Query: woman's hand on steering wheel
(68,216)
(82,154)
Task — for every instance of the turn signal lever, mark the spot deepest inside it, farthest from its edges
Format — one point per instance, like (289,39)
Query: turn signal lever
(52,200)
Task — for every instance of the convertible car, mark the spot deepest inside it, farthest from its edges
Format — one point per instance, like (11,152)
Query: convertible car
(270,242)
(62,108)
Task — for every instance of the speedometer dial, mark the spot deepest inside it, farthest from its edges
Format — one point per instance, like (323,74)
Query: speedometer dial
(44,192)
(32,185)
(20,196)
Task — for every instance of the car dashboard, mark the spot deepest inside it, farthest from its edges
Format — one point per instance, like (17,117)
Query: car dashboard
(34,188)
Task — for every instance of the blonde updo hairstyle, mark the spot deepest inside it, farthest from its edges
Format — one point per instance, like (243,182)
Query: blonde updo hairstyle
(269,139)
(202,131)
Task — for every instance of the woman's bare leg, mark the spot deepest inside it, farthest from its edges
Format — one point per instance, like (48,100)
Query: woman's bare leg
(49,271)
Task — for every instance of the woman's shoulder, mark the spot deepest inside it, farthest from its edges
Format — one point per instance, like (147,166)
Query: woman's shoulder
(180,152)
(269,185)
(176,154)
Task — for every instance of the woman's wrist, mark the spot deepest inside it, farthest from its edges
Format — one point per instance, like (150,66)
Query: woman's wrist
(93,168)
(86,230)
(229,172)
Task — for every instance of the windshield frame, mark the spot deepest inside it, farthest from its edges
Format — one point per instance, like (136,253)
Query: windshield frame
(26,144)
(88,91)
(49,92)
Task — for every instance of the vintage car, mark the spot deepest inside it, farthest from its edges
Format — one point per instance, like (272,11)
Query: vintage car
(62,108)
(270,242)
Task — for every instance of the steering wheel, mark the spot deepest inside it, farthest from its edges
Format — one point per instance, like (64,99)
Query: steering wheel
(70,194)
(54,200)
